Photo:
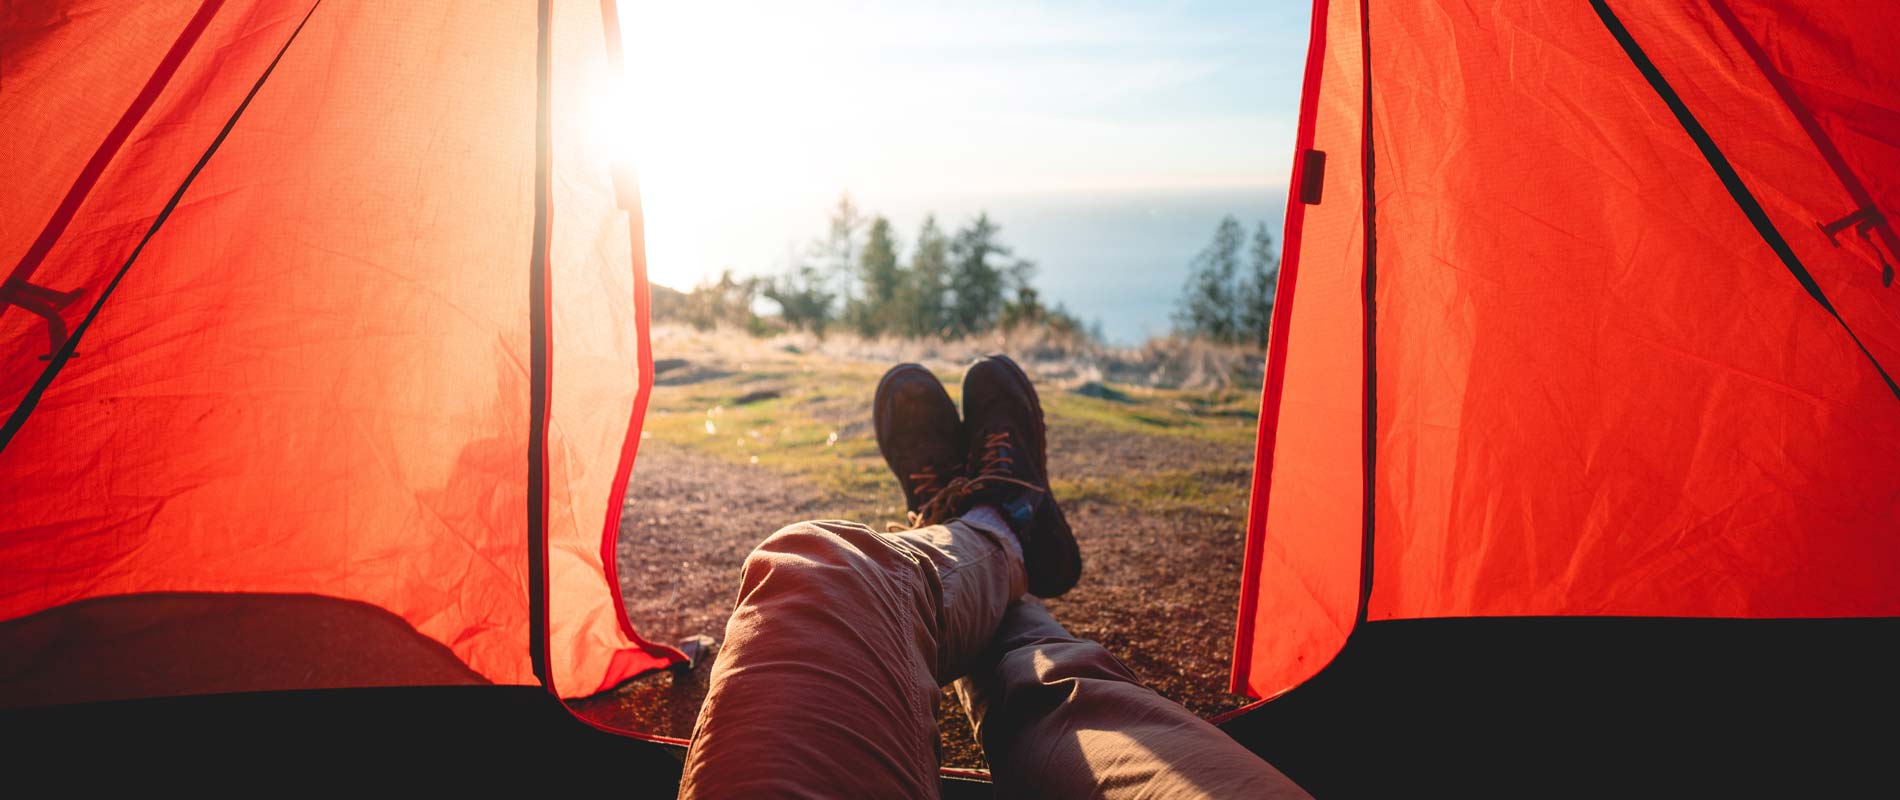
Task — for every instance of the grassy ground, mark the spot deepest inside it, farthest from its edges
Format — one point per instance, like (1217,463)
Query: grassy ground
(745,436)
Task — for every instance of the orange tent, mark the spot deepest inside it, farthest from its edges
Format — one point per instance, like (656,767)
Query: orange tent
(323,298)
(1587,309)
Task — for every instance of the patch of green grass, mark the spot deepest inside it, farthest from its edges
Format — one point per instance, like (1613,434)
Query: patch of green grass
(818,428)
(1215,491)
(1157,412)
(806,431)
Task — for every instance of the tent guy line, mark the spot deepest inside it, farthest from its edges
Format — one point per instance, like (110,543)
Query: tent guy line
(65,352)
(1732,181)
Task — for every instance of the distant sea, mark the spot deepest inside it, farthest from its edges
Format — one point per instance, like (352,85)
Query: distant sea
(1118,258)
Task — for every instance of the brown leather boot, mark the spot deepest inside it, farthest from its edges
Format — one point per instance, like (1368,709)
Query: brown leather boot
(919,434)
(1007,447)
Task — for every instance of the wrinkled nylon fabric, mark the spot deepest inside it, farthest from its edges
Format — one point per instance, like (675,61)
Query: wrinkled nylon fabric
(1606,395)
(158,88)
(314,378)
(1598,390)
(1803,104)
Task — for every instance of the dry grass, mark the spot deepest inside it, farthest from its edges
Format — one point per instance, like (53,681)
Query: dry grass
(1169,362)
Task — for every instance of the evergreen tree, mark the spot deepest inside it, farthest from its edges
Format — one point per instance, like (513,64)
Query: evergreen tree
(1027,311)
(882,280)
(976,284)
(1207,308)
(923,307)
(1256,291)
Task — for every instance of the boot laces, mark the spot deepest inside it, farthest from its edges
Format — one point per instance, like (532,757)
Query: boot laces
(995,467)
(928,484)
(926,480)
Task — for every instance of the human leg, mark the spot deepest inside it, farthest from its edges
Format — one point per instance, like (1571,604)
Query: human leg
(1060,717)
(841,636)
(827,682)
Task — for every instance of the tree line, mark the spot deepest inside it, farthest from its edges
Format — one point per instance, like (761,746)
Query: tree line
(1229,294)
(966,282)
(857,277)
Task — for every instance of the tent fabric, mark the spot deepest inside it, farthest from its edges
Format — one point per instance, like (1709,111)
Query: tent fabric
(315,372)
(1300,595)
(1627,357)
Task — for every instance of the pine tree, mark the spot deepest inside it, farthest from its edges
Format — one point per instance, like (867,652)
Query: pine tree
(882,280)
(1256,290)
(1025,308)
(923,307)
(1207,308)
(976,284)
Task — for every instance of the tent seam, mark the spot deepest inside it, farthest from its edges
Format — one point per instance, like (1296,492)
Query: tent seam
(65,353)
(1369,310)
(540,358)
(109,149)
(1731,180)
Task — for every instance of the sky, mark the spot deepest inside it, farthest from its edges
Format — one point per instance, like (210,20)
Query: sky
(747,121)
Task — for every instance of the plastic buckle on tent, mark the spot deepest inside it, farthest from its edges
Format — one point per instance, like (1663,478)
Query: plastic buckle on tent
(1863,221)
(44,302)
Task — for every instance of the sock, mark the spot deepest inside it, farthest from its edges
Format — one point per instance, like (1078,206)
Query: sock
(991,521)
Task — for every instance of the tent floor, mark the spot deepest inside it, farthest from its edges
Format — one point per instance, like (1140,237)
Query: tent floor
(1538,707)
(1515,707)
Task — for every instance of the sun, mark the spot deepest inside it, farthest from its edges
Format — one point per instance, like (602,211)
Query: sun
(720,118)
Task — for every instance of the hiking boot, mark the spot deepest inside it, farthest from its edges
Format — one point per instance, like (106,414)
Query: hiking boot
(1009,458)
(918,433)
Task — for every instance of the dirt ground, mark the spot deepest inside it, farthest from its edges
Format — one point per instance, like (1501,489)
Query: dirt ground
(743,440)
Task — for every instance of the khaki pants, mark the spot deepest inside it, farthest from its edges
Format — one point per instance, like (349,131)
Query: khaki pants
(828,680)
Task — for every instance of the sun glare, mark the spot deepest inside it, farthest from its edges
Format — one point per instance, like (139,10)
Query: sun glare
(746,121)
(720,121)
